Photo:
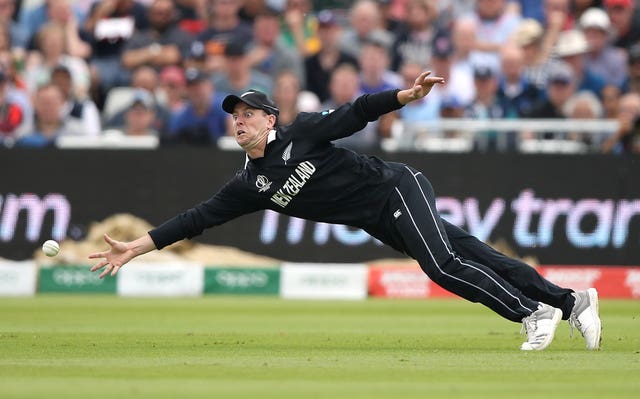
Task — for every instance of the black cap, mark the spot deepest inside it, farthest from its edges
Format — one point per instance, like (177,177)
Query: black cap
(253,98)
(484,72)
(193,75)
(235,49)
(442,46)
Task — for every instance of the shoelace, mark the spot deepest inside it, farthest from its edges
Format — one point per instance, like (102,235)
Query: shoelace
(528,326)
(574,323)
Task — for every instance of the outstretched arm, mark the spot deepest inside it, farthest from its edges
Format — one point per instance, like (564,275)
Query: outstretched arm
(120,253)
(421,87)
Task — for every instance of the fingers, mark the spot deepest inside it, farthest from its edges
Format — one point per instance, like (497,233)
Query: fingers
(106,271)
(425,80)
(434,80)
(420,79)
(99,265)
(98,255)
(111,269)
(109,240)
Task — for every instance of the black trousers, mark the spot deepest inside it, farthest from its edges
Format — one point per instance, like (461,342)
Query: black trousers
(461,263)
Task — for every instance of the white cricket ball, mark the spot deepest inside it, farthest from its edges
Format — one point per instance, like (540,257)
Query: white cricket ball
(50,248)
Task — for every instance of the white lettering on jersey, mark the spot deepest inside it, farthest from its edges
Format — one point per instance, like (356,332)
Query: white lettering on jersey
(294,184)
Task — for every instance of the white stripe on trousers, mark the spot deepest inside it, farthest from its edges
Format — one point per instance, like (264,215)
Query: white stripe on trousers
(451,253)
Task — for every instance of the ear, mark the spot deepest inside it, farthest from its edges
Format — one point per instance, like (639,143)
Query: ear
(272,121)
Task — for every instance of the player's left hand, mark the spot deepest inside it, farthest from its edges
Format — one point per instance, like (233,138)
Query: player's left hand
(424,83)
(421,87)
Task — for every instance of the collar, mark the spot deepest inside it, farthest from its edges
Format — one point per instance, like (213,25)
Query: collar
(271,136)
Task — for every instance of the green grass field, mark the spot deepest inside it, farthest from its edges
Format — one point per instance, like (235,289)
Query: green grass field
(253,347)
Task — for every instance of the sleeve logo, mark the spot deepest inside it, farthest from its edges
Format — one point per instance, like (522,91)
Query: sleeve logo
(263,183)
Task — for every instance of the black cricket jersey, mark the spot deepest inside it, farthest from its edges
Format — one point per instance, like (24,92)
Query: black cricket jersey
(303,174)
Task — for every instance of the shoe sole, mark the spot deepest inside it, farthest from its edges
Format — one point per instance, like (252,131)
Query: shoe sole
(594,305)
(557,316)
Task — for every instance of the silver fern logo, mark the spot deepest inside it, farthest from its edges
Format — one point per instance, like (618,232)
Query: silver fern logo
(263,183)
(286,154)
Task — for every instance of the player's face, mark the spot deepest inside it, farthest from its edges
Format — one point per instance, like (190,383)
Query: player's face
(250,125)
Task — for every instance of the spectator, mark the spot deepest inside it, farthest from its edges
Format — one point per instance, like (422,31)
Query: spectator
(63,13)
(139,115)
(364,19)
(626,140)
(486,106)
(625,17)
(146,78)
(225,26)
(494,26)
(321,65)
(109,25)
(572,48)
(173,85)
(52,52)
(299,30)
(414,42)
(515,92)
(583,105)
(196,56)
(18,34)
(344,88)
(562,84)
(286,91)
(202,121)
(451,108)
(389,20)
(15,88)
(267,53)
(460,85)
(81,109)
(602,58)
(610,97)
(633,79)
(558,12)
(531,38)
(442,62)
(238,77)
(192,15)
(49,123)
(11,114)
(162,44)
(374,63)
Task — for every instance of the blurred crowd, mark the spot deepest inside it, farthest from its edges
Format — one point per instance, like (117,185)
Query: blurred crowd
(89,69)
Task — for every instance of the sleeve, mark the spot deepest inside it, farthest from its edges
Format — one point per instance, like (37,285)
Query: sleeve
(225,205)
(349,118)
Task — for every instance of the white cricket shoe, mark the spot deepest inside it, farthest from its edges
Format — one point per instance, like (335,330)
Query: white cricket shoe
(584,316)
(540,327)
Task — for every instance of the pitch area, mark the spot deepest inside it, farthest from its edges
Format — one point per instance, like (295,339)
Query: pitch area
(79,346)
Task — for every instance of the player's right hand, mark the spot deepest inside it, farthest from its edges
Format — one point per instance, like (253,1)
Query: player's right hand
(112,259)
